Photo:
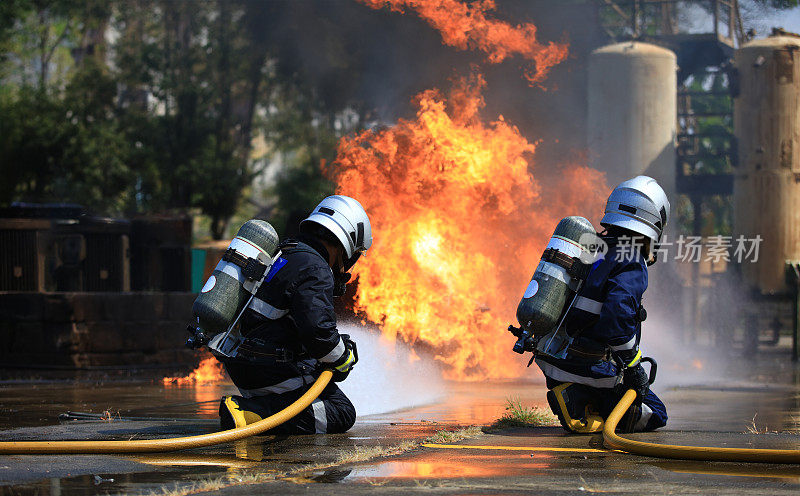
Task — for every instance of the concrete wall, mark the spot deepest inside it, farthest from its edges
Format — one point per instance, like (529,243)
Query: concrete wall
(94,329)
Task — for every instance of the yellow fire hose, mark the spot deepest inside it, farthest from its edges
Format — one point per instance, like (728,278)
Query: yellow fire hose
(171,444)
(704,453)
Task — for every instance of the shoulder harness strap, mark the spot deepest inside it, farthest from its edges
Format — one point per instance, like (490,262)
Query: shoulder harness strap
(252,268)
(573,265)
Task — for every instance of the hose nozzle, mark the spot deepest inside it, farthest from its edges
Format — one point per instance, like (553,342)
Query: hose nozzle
(524,342)
(197,337)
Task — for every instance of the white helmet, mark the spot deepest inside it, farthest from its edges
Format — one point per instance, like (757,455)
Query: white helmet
(639,205)
(346,219)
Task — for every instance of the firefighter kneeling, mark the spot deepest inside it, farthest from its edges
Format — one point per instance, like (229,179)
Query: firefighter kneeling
(593,357)
(288,330)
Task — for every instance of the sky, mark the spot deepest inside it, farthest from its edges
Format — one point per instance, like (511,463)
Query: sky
(762,19)
(787,19)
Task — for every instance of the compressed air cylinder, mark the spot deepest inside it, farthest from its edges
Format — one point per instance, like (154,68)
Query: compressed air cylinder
(224,295)
(552,287)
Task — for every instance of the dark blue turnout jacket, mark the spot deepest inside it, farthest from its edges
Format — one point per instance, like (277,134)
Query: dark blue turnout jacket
(604,318)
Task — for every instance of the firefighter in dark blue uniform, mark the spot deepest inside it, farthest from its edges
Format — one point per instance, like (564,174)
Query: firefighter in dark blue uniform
(288,331)
(605,321)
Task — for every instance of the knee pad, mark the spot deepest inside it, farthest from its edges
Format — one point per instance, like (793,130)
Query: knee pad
(629,422)
(575,408)
(640,417)
(233,414)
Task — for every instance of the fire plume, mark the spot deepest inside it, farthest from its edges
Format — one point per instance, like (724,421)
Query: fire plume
(468,26)
(209,371)
(459,222)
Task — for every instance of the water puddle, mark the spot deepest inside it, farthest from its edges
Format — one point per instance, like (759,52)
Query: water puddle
(168,477)
(460,465)
(784,473)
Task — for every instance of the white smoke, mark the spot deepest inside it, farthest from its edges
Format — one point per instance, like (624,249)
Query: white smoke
(679,364)
(389,376)
(668,331)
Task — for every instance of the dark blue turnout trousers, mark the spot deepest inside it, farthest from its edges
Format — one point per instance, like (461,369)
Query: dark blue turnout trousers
(332,412)
(653,412)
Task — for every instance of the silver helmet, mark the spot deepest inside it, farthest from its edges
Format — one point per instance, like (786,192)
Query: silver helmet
(346,219)
(639,205)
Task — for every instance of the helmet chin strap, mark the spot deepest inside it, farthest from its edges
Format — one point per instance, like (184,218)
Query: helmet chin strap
(652,256)
(348,264)
(340,280)
(341,276)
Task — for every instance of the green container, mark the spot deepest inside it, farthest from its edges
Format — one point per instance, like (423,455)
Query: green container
(198,267)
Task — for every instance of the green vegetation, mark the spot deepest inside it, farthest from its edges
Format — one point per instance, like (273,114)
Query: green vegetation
(519,415)
(154,106)
(780,4)
(709,136)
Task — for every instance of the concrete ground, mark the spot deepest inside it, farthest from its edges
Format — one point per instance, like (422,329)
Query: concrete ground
(758,406)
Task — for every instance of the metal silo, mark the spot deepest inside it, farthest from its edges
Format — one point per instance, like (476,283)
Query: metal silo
(767,181)
(632,112)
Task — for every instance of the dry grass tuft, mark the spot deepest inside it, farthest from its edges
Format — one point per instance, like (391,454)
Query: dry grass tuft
(754,429)
(362,453)
(519,415)
(195,487)
(445,437)
(108,415)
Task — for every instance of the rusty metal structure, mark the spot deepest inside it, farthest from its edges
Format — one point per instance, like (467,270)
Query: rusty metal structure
(767,182)
(60,248)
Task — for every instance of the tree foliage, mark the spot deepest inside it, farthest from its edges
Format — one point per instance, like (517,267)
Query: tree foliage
(135,106)
(64,148)
(780,4)
(715,145)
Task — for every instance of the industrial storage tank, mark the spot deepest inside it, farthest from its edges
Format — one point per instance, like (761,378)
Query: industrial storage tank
(632,112)
(767,179)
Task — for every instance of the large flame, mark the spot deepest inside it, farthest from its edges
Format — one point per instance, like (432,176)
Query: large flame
(459,222)
(467,26)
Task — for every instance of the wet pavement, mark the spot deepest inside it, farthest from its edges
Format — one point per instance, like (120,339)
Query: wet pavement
(720,408)
(535,461)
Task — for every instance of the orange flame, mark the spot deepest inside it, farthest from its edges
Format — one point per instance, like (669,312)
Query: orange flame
(466,26)
(459,223)
(209,371)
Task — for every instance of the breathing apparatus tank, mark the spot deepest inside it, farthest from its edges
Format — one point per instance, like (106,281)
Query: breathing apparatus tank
(236,277)
(556,280)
